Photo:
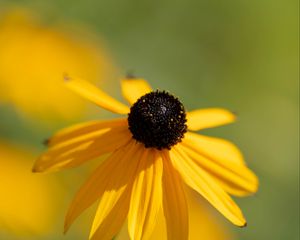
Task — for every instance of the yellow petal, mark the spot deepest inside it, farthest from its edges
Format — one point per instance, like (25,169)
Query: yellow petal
(94,94)
(203,225)
(223,155)
(114,204)
(208,118)
(214,148)
(174,202)
(133,89)
(83,128)
(80,149)
(201,222)
(235,179)
(111,213)
(100,181)
(146,196)
(200,181)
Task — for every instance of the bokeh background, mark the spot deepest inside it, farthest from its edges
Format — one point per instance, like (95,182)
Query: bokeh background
(241,55)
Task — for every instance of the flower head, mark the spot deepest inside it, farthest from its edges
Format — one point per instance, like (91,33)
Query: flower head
(152,157)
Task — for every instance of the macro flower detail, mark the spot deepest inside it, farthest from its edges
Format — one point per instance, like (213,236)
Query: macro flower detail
(153,153)
(157,119)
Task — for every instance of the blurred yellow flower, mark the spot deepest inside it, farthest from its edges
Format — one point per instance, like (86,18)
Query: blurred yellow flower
(33,58)
(27,205)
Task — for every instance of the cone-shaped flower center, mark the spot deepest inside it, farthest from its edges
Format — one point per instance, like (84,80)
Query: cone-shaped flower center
(158,120)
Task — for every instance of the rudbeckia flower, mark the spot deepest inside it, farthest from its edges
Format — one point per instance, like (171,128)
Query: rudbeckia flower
(154,151)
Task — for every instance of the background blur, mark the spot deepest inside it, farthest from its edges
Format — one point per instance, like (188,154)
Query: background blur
(241,55)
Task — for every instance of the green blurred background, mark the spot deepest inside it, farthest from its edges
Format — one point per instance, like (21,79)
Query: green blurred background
(240,55)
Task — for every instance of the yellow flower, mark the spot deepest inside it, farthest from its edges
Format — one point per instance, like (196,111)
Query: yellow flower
(33,57)
(152,156)
(26,205)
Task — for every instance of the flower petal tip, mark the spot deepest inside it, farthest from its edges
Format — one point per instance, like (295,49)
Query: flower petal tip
(245,225)
(66,227)
(235,115)
(65,230)
(35,169)
(46,142)
(255,185)
(66,77)
(130,75)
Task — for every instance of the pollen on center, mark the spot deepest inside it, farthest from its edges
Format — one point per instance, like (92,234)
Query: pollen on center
(157,120)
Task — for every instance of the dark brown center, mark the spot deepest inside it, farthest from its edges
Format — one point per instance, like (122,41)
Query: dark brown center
(157,120)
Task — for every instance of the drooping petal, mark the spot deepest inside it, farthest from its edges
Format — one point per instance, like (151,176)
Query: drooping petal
(236,179)
(115,167)
(83,128)
(115,200)
(133,89)
(146,196)
(214,148)
(111,214)
(208,118)
(200,181)
(76,151)
(174,202)
(95,95)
